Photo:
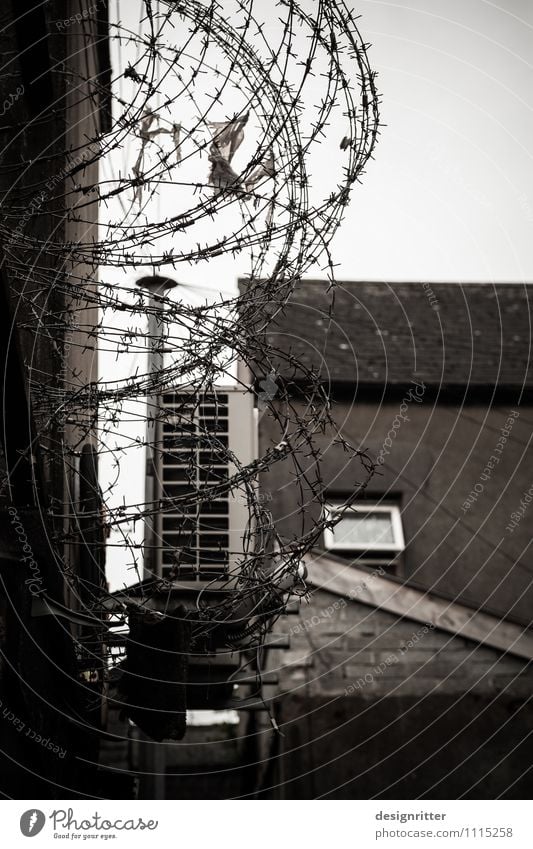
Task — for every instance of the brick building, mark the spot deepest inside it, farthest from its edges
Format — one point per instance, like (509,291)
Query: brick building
(409,671)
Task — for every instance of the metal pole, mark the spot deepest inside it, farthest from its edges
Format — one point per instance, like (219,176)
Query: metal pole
(156,287)
(155,758)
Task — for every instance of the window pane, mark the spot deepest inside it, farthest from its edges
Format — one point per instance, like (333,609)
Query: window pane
(361,529)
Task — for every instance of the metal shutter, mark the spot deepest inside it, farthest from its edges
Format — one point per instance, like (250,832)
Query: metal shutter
(201,534)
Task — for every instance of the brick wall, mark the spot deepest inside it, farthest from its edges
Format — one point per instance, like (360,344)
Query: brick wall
(340,645)
(374,706)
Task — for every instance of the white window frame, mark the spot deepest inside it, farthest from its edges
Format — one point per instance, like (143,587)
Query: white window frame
(396,547)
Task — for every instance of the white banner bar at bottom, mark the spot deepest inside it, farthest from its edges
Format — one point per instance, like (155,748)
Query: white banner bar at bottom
(227,824)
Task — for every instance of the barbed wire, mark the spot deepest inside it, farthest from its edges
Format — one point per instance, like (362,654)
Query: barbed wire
(220,118)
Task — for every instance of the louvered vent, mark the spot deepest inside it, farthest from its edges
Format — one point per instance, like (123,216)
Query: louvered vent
(201,525)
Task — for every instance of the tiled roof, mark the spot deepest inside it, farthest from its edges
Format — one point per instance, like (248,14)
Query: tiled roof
(453,334)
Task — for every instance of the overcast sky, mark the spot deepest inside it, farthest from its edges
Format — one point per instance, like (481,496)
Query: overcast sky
(450,195)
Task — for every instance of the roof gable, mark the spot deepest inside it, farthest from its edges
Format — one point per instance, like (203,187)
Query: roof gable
(376,590)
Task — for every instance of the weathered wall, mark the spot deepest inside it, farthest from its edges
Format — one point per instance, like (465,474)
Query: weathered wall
(376,705)
(437,457)
(39,683)
(340,645)
(403,748)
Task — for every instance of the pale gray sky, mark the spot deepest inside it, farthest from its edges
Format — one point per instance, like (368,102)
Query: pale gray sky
(450,195)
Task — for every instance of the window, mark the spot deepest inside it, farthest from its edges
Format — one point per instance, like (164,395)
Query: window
(370,530)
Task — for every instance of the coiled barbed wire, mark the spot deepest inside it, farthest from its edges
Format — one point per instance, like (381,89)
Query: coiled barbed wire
(221,116)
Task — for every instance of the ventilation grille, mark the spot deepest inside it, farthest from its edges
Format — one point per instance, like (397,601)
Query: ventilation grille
(195,517)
